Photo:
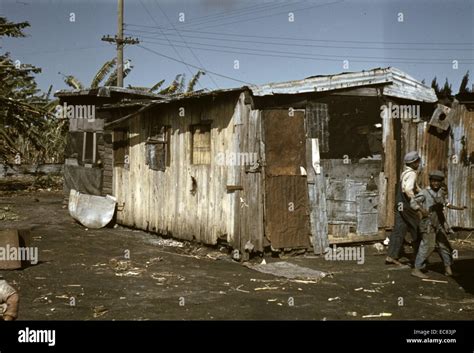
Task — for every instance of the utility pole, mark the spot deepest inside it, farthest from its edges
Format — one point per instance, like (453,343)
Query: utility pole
(120,41)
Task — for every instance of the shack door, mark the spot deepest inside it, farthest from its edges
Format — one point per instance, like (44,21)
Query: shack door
(286,190)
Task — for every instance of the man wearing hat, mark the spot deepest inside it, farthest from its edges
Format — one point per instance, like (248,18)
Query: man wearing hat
(432,226)
(407,211)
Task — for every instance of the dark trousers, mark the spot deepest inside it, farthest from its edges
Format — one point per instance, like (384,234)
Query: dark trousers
(397,237)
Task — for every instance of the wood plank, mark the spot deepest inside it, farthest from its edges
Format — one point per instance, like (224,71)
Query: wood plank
(354,238)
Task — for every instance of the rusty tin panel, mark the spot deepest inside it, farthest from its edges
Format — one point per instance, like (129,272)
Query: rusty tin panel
(285,142)
(287,213)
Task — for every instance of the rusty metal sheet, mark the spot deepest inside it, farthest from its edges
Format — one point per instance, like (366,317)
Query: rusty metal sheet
(441,117)
(91,211)
(285,143)
(286,212)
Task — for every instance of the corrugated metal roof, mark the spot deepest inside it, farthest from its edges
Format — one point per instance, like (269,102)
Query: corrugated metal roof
(396,84)
(107,92)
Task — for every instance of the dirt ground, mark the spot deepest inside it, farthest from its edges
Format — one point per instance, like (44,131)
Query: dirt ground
(84,274)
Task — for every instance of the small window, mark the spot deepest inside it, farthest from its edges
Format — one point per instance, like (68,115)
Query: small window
(157,150)
(201,144)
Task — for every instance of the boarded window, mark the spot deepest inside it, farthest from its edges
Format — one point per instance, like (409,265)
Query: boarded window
(121,148)
(317,124)
(201,144)
(157,149)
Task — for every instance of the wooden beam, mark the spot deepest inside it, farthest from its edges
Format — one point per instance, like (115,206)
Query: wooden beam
(354,238)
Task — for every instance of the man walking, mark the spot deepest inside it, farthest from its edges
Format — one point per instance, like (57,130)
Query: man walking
(407,210)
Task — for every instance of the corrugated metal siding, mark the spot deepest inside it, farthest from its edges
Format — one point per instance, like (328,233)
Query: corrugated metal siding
(398,84)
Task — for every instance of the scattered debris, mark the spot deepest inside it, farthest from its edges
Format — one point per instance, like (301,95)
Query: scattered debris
(433,280)
(358,289)
(351,313)
(303,281)
(7,214)
(379,247)
(266,288)
(378,315)
(64,296)
(129,274)
(335,298)
(166,242)
(100,311)
(428,297)
(287,270)
(153,260)
(262,280)
(241,290)
(123,268)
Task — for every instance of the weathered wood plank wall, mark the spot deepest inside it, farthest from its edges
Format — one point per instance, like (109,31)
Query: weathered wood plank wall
(390,169)
(163,202)
(460,179)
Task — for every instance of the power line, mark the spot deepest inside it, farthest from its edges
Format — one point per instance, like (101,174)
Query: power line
(308,39)
(250,11)
(267,8)
(218,16)
(305,45)
(313,55)
(265,16)
(192,52)
(175,50)
(274,14)
(191,65)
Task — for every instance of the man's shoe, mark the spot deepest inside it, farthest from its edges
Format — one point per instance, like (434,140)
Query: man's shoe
(389,260)
(417,273)
(448,272)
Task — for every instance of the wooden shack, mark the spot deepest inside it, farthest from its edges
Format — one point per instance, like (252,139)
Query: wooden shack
(88,153)
(290,165)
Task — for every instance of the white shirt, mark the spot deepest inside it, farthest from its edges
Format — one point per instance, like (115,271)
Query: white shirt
(409,185)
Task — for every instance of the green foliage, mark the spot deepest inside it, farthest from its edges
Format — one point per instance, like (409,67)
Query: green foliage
(103,72)
(463,88)
(26,127)
(435,86)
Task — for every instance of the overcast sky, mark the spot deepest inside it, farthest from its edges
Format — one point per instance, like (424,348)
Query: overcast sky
(421,37)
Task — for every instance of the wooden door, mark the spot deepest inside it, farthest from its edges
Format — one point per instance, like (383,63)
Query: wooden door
(287,223)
